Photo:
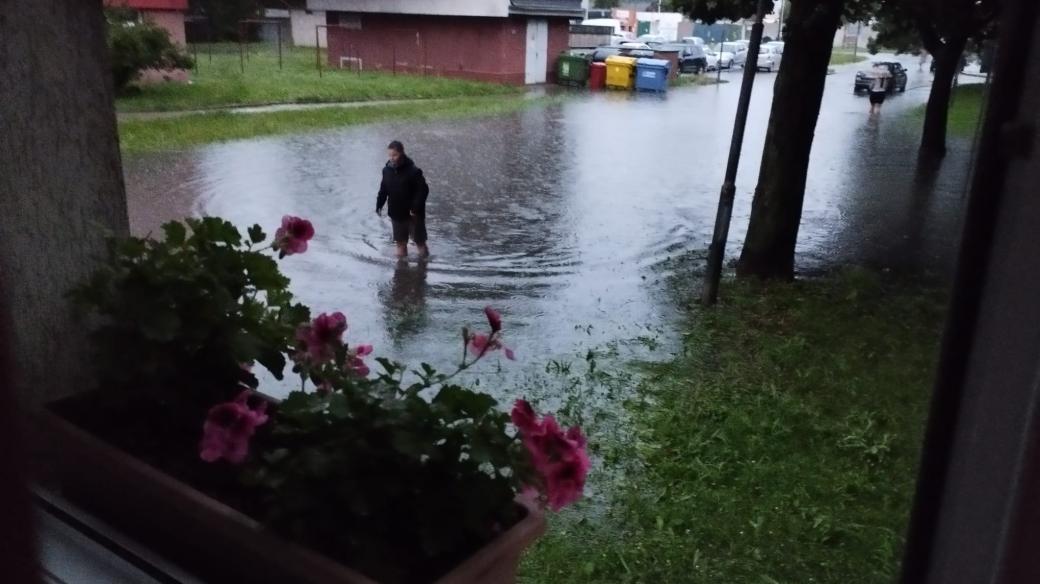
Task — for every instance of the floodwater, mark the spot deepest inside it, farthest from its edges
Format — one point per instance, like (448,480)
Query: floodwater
(562,216)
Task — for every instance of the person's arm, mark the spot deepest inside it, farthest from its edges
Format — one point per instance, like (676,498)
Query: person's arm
(381,197)
(422,190)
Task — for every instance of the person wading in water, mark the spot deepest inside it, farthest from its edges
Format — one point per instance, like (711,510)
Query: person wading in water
(405,189)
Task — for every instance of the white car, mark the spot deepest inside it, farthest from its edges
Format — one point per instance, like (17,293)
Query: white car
(693,41)
(636,46)
(769,58)
(715,59)
(736,48)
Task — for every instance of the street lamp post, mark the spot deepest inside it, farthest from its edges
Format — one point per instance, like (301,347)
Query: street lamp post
(717,251)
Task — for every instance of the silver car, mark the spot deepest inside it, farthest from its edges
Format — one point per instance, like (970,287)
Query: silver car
(769,58)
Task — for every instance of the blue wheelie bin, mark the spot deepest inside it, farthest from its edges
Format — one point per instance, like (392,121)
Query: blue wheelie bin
(651,74)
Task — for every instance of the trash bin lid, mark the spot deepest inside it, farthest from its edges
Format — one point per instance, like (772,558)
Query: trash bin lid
(653,63)
(619,60)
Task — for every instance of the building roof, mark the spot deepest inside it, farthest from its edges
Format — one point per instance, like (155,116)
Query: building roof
(568,8)
(178,5)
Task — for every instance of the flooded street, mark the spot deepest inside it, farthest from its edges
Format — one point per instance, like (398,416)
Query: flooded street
(561,216)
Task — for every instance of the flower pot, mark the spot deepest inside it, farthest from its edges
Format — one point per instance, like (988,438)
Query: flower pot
(209,538)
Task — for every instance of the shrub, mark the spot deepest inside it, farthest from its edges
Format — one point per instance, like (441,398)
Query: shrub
(135,45)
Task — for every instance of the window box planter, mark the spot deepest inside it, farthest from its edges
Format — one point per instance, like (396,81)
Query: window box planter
(213,540)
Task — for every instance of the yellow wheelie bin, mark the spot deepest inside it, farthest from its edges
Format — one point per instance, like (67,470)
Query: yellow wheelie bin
(621,72)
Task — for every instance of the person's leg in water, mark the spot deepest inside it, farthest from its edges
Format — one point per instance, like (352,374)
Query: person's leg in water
(418,233)
(401,229)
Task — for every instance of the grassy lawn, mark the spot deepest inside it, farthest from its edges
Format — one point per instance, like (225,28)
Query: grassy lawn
(198,129)
(778,445)
(844,56)
(965,109)
(220,82)
(707,78)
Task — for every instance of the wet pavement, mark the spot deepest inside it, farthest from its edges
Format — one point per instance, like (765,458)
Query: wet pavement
(562,216)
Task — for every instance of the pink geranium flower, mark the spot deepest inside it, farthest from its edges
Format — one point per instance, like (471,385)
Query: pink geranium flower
(229,427)
(523,416)
(292,237)
(318,340)
(558,457)
(481,344)
(355,360)
(494,319)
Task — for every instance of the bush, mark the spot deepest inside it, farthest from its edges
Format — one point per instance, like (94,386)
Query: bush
(136,45)
(363,466)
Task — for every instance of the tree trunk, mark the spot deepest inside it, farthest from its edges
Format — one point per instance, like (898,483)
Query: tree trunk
(947,66)
(777,208)
(61,183)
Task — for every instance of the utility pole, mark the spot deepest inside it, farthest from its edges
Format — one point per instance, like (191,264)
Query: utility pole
(729,188)
(780,22)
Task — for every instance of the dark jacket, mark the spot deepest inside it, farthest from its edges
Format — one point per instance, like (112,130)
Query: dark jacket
(406,189)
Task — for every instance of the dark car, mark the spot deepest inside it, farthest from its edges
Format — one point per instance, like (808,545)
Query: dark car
(864,78)
(600,55)
(692,59)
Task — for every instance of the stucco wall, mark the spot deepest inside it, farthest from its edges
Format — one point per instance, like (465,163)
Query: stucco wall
(172,21)
(488,49)
(303,27)
(499,8)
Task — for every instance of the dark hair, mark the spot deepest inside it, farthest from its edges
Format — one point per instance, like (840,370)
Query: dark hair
(397,146)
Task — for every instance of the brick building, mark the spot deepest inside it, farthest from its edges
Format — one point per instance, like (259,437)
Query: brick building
(506,41)
(166,14)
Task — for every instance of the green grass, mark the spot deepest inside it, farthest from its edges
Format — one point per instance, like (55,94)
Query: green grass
(779,445)
(149,135)
(707,78)
(844,57)
(965,109)
(220,82)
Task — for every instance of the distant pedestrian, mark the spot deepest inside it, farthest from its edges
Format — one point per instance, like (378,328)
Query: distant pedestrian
(924,59)
(404,191)
(881,78)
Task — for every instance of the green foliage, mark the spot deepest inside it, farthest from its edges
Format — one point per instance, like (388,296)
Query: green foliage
(710,11)
(224,16)
(844,57)
(184,132)
(136,45)
(896,30)
(219,81)
(373,472)
(778,444)
(176,319)
(966,103)
(907,26)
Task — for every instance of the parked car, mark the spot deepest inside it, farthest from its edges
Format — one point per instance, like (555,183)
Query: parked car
(600,54)
(636,46)
(736,48)
(692,40)
(693,59)
(864,78)
(638,53)
(716,59)
(651,39)
(769,58)
(778,45)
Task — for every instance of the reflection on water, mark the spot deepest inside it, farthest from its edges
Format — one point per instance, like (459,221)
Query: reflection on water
(404,301)
(560,216)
